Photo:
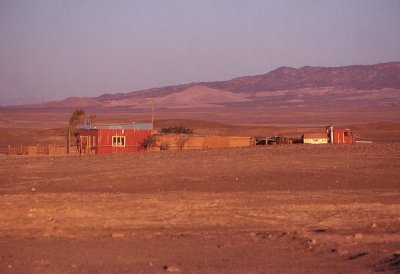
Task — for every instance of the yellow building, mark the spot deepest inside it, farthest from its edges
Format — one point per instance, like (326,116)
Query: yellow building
(315,138)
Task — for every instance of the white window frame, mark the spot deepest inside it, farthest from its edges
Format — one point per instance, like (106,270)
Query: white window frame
(118,141)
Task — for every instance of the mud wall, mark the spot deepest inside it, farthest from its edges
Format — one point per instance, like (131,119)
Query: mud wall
(182,141)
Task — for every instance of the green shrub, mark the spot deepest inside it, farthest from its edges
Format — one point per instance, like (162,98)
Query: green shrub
(177,130)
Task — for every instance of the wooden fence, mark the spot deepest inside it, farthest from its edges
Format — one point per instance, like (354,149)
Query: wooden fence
(36,150)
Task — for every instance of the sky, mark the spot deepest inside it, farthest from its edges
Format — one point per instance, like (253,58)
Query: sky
(54,49)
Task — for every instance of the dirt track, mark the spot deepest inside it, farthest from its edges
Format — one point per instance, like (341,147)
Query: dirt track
(288,209)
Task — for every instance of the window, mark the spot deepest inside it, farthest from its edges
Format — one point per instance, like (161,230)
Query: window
(347,133)
(118,141)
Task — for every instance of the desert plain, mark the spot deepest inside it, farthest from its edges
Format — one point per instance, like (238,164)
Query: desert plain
(267,209)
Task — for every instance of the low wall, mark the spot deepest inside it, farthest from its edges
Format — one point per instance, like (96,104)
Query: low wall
(182,141)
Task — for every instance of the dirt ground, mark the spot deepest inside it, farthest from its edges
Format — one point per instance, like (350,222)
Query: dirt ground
(274,209)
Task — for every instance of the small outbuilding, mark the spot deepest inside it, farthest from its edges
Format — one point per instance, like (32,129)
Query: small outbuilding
(315,138)
(113,139)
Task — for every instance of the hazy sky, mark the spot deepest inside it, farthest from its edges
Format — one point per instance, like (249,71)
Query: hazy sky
(53,49)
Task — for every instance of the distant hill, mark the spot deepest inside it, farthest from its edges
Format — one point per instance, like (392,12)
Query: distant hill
(347,86)
(354,77)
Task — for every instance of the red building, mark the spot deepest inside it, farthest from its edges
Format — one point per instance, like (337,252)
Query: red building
(113,139)
(340,136)
(343,136)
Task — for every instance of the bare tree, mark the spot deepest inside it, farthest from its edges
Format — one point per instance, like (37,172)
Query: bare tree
(182,140)
(75,121)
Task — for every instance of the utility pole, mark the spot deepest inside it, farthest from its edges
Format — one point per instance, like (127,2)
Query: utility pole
(152,113)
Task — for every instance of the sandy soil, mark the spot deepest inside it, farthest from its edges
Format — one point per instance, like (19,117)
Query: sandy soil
(276,209)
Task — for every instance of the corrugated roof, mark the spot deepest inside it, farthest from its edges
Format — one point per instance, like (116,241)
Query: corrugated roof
(122,126)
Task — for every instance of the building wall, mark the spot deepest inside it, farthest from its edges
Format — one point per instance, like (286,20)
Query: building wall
(315,140)
(342,136)
(88,139)
(133,140)
(101,140)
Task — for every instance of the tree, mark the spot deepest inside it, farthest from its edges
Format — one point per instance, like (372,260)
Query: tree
(77,118)
(182,140)
(148,142)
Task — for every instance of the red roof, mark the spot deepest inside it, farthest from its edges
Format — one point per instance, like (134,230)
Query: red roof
(315,136)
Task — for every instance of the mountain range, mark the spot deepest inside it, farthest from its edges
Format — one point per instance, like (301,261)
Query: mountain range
(347,86)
